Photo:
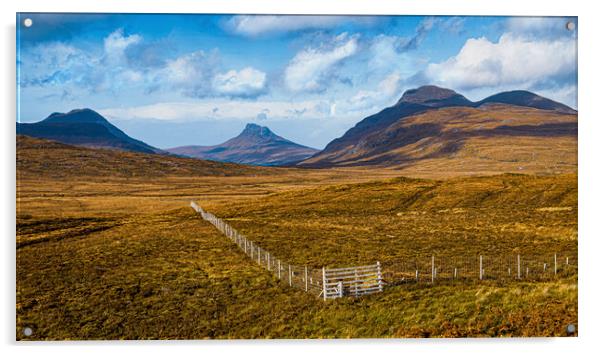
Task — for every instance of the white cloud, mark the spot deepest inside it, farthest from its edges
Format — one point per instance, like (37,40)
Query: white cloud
(245,83)
(72,68)
(513,60)
(311,69)
(116,44)
(205,109)
(191,74)
(378,98)
(186,69)
(109,70)
(255,25)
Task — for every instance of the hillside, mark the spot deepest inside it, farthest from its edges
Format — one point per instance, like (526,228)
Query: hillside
(512,131)
(38,158)
(255,145)
(84,127)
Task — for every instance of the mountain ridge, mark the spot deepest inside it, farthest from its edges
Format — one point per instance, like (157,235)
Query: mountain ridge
(373,140)
(84,127)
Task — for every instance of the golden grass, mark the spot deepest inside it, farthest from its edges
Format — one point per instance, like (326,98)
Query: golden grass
(398,220)
(159,271)
(109,257)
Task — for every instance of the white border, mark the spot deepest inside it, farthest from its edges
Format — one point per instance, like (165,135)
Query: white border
(590,136)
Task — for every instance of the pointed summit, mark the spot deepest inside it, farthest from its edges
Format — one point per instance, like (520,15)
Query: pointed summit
(433,96)
(257,131)
(255,145)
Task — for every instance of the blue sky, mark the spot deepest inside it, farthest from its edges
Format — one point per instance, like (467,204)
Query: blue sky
(174,80)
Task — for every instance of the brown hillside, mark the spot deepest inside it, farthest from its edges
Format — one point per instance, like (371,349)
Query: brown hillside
(38,157)
(493,138)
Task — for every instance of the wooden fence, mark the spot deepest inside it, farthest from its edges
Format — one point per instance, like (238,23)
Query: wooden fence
(362,280)
(326,283)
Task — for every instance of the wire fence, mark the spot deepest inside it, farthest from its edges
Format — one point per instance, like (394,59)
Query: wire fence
(363,280)
(328,283)
(480,267)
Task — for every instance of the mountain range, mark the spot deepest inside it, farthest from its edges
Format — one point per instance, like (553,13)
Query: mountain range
(428,125)
(255,145)
(432,122)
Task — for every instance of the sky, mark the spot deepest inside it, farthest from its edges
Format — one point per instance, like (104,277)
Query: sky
(175,79)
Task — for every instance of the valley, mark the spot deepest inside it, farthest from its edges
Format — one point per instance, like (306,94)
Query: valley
(108,246)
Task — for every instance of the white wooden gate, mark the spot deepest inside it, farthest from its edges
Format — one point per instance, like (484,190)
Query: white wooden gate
(354,281)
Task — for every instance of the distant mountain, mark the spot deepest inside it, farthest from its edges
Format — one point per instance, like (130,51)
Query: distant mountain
(526,99)
(84,127)
(255,145)
(431,123)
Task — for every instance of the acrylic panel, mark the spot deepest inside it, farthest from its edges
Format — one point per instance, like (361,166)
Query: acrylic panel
(197,176)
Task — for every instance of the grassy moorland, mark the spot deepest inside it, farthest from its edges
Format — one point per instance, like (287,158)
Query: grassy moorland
(122,256)
(404,219)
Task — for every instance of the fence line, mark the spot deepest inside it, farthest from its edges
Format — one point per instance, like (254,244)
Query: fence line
(327,283)
(362,280)
(480,267)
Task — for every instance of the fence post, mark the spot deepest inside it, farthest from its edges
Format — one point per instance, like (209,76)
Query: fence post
(380,278)
(432,269)
(258,255)
(518,265)
(251,250)
(306,285)
(340,288)
(290,276)
(480,267)
(279,267)
(555,266)
(355,282)
(567,260)
(455,273)
(416,275)
(324,282)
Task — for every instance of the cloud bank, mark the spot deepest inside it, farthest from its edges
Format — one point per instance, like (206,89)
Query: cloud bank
(513,60)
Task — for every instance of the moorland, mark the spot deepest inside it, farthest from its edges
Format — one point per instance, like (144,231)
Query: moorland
(108,247)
